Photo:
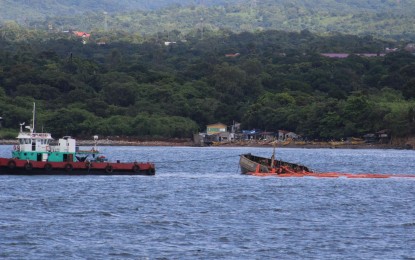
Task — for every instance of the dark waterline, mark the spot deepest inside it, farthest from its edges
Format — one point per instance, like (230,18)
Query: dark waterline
(199,206)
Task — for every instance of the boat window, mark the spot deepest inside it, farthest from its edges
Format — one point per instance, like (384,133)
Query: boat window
(21,141)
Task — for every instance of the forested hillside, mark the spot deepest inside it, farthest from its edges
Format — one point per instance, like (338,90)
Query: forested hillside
(278,80)
(388,19)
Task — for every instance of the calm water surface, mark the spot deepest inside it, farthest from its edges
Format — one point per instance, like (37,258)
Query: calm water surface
(198,206)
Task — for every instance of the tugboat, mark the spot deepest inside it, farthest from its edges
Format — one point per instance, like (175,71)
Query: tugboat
(35,155)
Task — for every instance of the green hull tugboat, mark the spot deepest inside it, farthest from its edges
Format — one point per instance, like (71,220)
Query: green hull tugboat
(35,155)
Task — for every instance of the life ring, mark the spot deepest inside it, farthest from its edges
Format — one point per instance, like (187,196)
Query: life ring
(48,167)
(136,168)
(88,164)
(47,148)
(11,164)
(109,169)
(68,167)
(28,166)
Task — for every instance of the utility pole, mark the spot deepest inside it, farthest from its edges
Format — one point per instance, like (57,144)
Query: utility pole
(253,6)
(105,21)
(202,18)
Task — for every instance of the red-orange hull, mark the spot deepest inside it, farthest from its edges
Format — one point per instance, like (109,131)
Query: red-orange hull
(23,167)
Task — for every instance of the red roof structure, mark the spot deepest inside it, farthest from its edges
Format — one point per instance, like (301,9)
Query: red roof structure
(81,34)
(232,55)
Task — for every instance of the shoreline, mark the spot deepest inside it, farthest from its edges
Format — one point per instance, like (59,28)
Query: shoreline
(189,143)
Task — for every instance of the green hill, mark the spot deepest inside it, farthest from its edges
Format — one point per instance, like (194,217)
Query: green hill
(391,19)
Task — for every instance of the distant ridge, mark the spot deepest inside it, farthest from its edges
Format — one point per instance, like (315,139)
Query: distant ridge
(390,19)
(34,9)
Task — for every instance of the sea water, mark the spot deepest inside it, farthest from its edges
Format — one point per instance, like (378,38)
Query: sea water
(199,206)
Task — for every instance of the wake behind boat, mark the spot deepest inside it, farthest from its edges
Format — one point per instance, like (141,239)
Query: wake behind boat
(35,155)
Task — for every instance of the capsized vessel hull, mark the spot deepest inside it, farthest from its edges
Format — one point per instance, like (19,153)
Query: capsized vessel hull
(256,164)
(261,166)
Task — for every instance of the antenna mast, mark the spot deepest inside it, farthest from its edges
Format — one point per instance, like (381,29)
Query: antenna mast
(34,119)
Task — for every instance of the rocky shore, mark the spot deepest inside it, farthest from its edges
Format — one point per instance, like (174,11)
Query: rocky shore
(110,142)
(344,145)
(407,144)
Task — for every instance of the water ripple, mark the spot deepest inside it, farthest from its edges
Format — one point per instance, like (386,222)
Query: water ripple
(205,209)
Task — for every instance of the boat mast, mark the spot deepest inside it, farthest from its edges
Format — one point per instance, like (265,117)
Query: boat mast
(273,154)
(95,142)
(34,118)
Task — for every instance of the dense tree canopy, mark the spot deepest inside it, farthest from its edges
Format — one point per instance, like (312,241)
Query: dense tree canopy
(277,80)
(174,20)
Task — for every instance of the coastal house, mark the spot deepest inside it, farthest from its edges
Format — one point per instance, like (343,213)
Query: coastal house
(215,128)
(253,134)
(390,50)
(410,47)
(345,55)
(284,135)
(214,133)
(382,136)
(335,55)
(81,34)
(218,133)
(232,55)
(267,136)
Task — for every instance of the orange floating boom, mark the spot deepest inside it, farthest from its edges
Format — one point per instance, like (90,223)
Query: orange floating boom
(262,167)
(331,175)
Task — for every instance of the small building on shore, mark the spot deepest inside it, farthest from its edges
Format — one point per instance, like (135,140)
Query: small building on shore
(284,135)
(217,132)
(215,128)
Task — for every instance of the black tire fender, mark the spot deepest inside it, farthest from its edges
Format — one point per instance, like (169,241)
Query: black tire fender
(109,169)
(136,168)
(48,167)
(68,167)
(11,164)
(88,164)
(28,166)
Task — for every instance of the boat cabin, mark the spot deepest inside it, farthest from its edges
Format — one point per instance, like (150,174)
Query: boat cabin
(38,147)
(34,141)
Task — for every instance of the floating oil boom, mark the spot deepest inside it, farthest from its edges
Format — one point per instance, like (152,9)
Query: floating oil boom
(262,166)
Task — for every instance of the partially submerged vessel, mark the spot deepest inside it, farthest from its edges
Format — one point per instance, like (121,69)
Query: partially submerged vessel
(35,155)
(257,165)
(262,166)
